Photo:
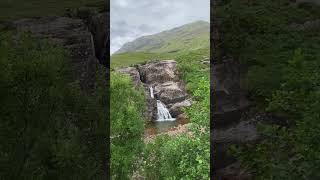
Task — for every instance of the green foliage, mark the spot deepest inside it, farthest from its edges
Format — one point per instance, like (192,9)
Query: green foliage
(181,157)
(186,156)
(260,34)
(49,128)
(283,68)
(126,115)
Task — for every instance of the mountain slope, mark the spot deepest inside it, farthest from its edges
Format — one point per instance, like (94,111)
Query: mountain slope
(188,37)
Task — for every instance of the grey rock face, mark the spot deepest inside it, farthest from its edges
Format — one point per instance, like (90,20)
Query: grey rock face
(176,109)
(229,127)
(159,72)
(229,93)
(170,92)
(72,34)
(99,28)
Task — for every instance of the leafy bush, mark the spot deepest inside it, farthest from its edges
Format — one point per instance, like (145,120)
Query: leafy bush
(49,128)
(283,71)
(290,153)
(260,34)
(126,115)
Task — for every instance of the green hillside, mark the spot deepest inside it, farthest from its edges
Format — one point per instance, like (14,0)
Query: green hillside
(165,45)
(127,59)
(188,37)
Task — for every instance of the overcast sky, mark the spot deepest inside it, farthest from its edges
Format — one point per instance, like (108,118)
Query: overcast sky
(131,19)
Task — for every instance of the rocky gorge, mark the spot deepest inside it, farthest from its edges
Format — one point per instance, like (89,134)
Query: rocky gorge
(163,78)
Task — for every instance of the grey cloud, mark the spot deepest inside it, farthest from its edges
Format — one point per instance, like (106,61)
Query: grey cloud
(131,19)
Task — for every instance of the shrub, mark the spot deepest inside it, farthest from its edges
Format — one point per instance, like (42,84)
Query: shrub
(126,114)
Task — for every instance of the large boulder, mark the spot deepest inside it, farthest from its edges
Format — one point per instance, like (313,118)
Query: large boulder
(71,34)
(159,72)
(170,92)
(176,109)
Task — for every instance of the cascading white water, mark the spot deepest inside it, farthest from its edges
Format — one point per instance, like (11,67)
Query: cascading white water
(151,92)
(163,112)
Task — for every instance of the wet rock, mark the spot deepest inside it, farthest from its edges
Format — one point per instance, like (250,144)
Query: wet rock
(151,112)
(170,92)
(177,108)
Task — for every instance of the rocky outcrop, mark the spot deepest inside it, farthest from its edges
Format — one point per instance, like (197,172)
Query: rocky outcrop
(163,77)
(229,91)
(176,109)
(228,124)
(71,34)
(85,36)
(134,74)
(170,92)
(159,72)
(99,28)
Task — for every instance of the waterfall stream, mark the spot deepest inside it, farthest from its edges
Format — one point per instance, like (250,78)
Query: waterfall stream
(151,92)
(163,112)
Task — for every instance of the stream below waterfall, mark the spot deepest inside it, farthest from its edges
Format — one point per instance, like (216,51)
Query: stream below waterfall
(156,127)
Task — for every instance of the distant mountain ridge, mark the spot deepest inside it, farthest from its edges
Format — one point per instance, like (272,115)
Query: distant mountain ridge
(187,37)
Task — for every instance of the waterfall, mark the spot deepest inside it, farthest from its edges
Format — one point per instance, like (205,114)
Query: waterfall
(163,112)
(151,92)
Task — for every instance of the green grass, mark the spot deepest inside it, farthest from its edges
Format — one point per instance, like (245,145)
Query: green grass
(127,59)
(15,9)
